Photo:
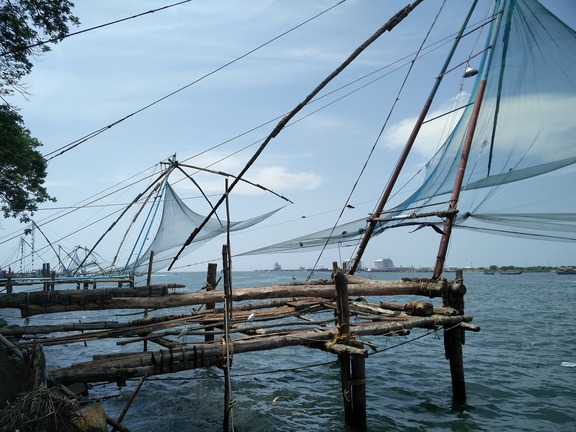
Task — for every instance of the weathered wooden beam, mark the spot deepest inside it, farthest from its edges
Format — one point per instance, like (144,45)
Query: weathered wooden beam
(337,348)
(366,288)
(70,280)
(70,297)
(14,330)
(111,368)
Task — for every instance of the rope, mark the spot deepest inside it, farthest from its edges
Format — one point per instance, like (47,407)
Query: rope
(227,354)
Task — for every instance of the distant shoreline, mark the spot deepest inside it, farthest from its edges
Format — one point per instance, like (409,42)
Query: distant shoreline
(495,269)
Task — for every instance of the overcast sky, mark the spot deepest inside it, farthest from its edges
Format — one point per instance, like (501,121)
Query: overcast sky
(219,96)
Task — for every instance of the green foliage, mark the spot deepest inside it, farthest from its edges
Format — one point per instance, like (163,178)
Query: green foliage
(22,168)
(23,25)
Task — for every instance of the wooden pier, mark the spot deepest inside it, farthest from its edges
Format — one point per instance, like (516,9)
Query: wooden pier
(312,314)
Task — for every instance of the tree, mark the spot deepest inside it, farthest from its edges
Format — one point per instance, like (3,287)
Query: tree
(22,168)
(24,25)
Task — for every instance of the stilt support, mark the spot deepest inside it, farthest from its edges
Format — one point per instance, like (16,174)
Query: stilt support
(352,367)
(454,339)
(210,286)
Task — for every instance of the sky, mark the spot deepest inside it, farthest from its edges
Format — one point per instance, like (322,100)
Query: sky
(208,80)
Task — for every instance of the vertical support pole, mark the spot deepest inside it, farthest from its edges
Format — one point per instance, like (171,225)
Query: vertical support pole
(359,392)
(228,423)
(52,280)
(453,296)
(352,368)
(148,282)
(228,249)
(45,275)
(9,285)
(210,286)
(342,320)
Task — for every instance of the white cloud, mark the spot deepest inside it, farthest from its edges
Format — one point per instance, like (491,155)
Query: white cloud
(281,178)
(431,135)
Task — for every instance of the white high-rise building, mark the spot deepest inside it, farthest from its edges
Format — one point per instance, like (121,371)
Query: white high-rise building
(383,263)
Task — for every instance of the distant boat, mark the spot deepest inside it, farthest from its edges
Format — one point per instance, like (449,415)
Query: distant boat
(488,273)
(566,271)
(510,272)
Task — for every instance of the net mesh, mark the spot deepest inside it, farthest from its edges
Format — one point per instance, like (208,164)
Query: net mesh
(177,221)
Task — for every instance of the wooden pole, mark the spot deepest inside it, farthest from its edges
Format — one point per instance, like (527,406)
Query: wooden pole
(129,402)
(342,316)
(226,360)
(454,339)
(148,280)
(386,27)
(358,383)
(352,367)
(210,286)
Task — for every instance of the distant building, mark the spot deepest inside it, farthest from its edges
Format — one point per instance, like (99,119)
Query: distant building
(348,264)
(384,263)
(277,267)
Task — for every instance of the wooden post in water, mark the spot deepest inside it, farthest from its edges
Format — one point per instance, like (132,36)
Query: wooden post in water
(454,339)
(210,286)
(46,274)
(359,391)
(352,367)
(228,424)
(148,282)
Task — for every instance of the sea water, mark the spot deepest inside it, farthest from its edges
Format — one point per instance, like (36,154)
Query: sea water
(517,368)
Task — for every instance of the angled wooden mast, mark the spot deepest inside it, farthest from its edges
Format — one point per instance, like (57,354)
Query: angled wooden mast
(386,27)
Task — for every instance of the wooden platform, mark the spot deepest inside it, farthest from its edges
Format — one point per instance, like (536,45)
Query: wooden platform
(313,314)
